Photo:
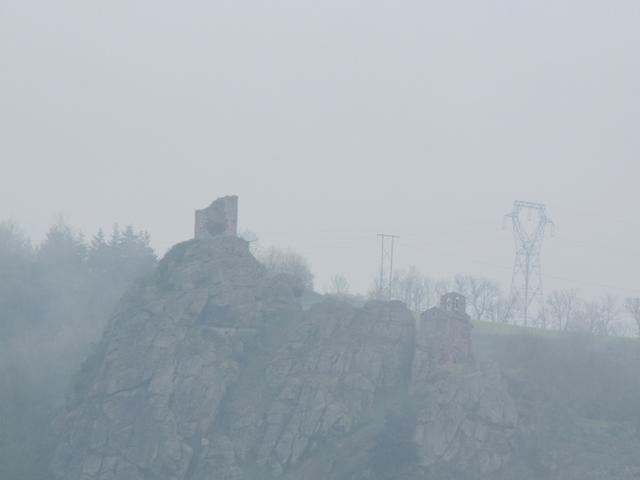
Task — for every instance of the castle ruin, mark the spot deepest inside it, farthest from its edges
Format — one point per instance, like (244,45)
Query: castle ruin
(219,218)
(447,329)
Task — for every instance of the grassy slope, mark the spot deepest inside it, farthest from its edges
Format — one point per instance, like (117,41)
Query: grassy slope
(578,398)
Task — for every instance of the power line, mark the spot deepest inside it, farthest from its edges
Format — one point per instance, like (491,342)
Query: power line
(459,254)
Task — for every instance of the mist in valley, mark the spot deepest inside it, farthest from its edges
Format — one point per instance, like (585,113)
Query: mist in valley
(420,261)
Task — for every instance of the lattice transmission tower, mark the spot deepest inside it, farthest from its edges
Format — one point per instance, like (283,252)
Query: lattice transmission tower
(387,243)
(528,233)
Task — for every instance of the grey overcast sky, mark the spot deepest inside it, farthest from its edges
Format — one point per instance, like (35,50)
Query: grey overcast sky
(333,120)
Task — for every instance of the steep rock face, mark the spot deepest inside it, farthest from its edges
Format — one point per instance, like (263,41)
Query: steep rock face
(320,385)
(170,353)
(465,420)
(327,377)
(211,370)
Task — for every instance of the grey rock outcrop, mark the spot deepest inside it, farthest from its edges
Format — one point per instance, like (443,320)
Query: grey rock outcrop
(465,419)
(166,361)
(211,370)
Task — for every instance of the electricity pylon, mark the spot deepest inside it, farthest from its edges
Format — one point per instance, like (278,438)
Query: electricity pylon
(387,242)
(526,282)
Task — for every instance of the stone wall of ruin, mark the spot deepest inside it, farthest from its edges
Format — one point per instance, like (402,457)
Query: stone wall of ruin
(219,218)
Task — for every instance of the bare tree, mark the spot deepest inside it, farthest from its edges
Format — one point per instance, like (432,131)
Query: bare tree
(404,284)
(428,293)
(540,319)
(460,284)
(563,307)
(599,317)
(377,291)
(610,312)
(503,309)
(442,286)
(254,242)
(588,317)
(279,261)
(413,289)
(632,306)
(481,293)
(338,286)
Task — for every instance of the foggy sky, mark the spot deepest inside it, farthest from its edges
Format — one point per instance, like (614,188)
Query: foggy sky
(333,121)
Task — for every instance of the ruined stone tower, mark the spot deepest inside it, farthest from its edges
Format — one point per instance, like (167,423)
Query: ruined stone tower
(219,218)
(447,330)
(454,302)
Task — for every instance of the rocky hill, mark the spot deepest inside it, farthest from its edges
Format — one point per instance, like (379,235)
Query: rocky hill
(211,369)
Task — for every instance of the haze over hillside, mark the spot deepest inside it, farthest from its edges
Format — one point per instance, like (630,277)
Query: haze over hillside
(218,364)
(333,122)
(421,260)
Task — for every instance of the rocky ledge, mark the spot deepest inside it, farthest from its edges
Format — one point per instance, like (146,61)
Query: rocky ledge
(210,369)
